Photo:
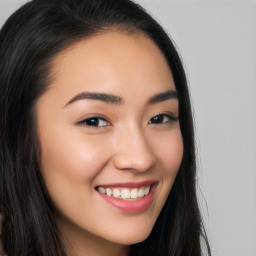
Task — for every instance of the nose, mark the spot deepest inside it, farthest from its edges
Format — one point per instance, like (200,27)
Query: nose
(133,151)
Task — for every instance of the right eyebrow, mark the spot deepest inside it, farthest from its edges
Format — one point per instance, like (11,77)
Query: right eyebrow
(105,97)
(163,96)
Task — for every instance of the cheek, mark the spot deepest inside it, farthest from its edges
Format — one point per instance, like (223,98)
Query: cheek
(69,165)
(72,155)
(168,149)
(174,155)
(169,152)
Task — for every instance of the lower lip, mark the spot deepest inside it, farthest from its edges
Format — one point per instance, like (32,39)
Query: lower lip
(135,206)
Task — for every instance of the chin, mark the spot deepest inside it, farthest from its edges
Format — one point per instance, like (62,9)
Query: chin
(129,238)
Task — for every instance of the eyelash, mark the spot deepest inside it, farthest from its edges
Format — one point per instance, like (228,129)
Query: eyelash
(169,117)
(94,120)
(98,121)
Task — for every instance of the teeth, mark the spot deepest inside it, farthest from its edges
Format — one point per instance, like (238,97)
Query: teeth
(116,192)
(141,192)
(102,190)
(125,193)
(134,193)
(109,191)
(147,190)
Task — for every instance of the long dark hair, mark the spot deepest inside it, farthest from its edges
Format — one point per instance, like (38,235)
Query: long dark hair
(29,40)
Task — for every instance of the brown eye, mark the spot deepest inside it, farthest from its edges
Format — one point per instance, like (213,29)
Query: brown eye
(158,119)
(163,118)
(95,122)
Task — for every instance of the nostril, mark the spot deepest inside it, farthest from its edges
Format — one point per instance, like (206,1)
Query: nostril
(136,162)
(133,151)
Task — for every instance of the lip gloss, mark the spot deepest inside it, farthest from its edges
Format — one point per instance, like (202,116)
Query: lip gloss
(131,206)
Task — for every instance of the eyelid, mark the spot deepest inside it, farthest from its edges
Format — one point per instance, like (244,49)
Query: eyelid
(95,116)
(91,115)
(171,116)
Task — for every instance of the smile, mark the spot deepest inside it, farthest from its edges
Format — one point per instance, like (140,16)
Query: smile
(129,197)
(125,193)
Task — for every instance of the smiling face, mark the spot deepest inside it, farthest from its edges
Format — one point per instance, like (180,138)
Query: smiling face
(110,137)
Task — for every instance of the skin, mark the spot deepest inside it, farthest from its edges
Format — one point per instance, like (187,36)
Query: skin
(126,147)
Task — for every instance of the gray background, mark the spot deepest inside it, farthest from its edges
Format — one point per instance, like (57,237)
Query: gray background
(217,41)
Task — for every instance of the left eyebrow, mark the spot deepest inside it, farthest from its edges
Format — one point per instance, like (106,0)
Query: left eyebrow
(167,95)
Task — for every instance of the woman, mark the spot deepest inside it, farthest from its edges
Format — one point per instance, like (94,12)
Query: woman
(97,146)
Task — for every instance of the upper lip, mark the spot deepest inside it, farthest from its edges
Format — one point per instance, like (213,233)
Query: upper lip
(130,184)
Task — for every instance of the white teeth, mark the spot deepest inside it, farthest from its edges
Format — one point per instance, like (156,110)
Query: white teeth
(102,190)
(147,190)
(109,192)
(125,193)
(141,192)
(116,192)
(134,193)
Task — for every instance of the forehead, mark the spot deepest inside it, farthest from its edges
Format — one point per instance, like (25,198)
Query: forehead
(112,61)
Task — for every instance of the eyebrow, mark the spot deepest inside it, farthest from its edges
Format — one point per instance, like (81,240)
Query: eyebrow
(117,100)
(108,98)
(170,94)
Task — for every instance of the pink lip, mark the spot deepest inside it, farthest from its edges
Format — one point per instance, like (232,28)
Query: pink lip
(135,206)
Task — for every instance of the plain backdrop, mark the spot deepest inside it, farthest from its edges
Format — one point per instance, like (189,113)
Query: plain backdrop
(217,42)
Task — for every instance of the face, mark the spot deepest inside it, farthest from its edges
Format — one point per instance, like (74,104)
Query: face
(110,137)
